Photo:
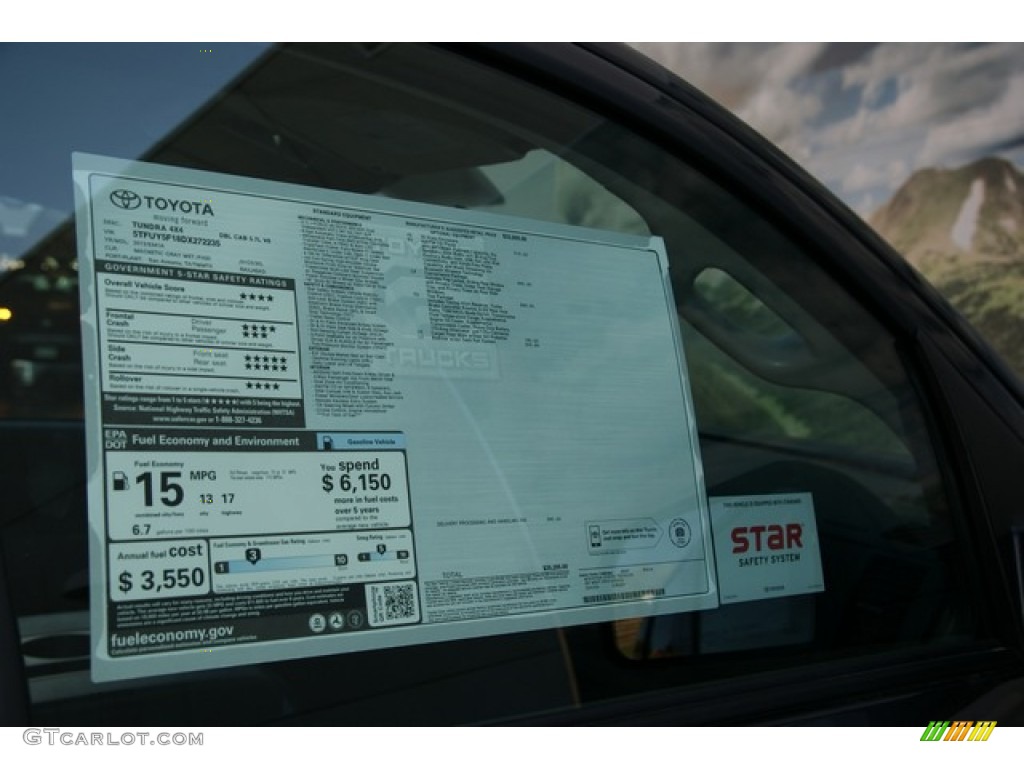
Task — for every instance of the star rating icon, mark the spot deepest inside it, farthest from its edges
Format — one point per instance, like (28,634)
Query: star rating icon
(257,331)
(266,362)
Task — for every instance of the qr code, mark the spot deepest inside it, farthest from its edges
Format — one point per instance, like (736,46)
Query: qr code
(393,604)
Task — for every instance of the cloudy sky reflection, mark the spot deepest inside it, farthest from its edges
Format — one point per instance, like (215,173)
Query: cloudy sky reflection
(863,117)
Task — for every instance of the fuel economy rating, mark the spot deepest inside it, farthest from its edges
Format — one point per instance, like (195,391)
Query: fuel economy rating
(209,489)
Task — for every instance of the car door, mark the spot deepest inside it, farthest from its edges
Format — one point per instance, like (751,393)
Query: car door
(765,478)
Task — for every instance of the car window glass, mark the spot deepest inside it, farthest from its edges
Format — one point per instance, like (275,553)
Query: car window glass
(799,391)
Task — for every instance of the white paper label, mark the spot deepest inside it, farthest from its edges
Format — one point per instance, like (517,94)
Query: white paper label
(320,422)
(766,546)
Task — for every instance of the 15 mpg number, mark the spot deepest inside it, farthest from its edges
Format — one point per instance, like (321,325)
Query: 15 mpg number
(171,494)
(165,488)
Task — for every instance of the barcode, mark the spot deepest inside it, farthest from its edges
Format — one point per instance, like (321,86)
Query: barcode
(399,601)
(611,597)
(393,603)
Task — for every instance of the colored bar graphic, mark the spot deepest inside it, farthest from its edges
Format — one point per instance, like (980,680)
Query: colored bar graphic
(958,730)
(935,730)
(982,730)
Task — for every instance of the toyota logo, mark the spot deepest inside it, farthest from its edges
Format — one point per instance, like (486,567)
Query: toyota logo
(126,199)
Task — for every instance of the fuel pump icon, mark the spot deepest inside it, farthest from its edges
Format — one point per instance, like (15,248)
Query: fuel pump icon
(120,481)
